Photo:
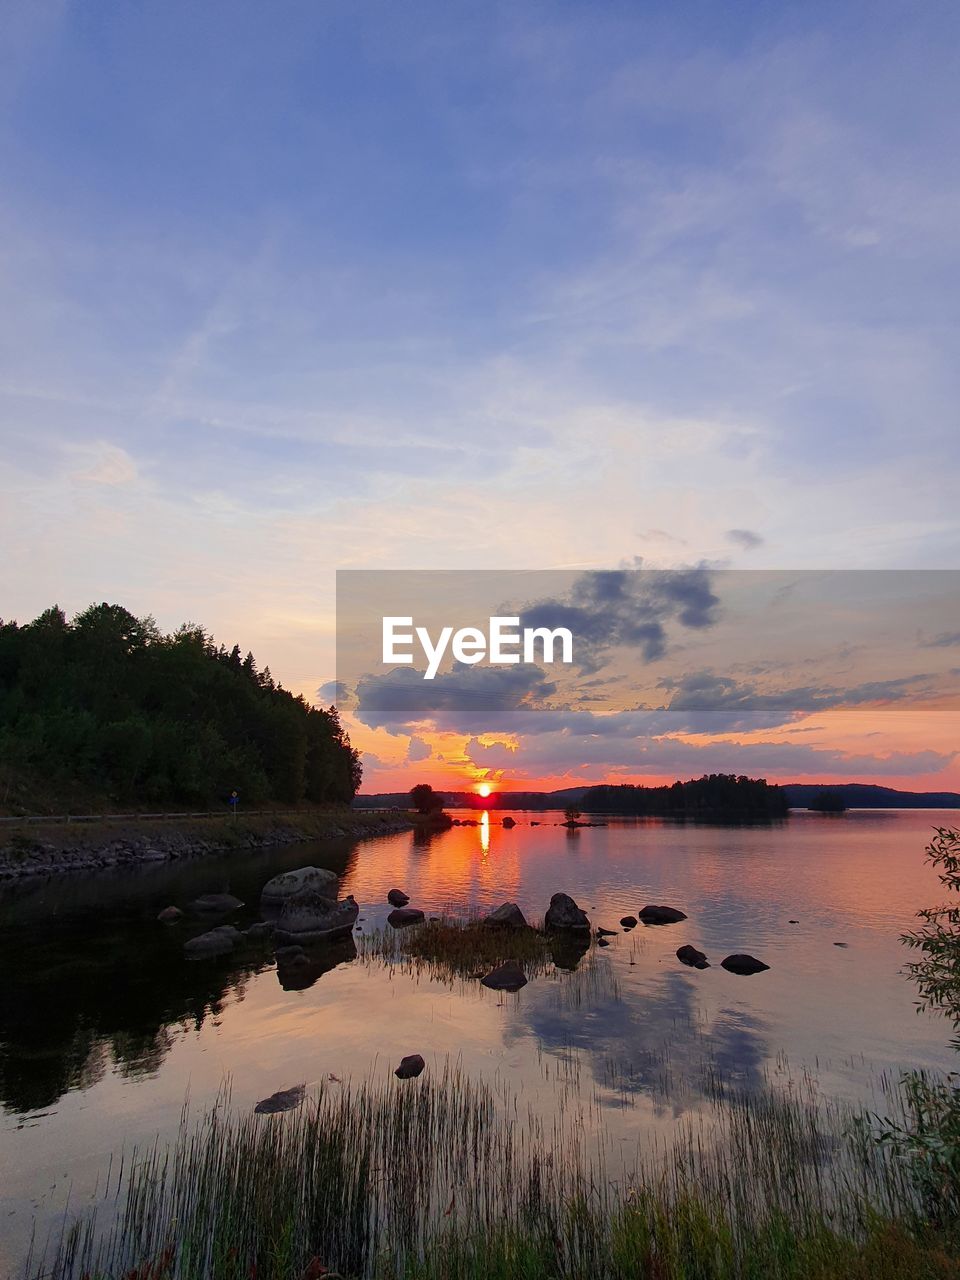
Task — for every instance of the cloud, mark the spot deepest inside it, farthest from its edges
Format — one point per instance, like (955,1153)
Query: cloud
(418,750)
(629,608)
(946,640)
(745,538)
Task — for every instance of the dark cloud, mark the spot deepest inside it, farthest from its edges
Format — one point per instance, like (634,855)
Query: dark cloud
(335,692)
(945,640)
(467,699)
(627,608)
(745,538)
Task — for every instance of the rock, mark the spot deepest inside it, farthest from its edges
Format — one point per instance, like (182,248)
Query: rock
(215,904)
(509,822)
(397,898)
(298,969)
(506,977)
(661,915)
(743,964)
(841,944)
(410,1067)
(260,929)
(691,956)
(309,917)
(603,942)
(326,884)
(282,1100)
(606,933)
(793,922)
(628,922)
(217,942)
(563,913)
(509,916)
(404,916)
(534,824)
(169,915)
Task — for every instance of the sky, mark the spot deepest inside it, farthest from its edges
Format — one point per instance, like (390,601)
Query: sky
(312,286)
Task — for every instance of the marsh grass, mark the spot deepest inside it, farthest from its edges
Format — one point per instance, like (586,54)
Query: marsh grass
(448,1178)
(459,948)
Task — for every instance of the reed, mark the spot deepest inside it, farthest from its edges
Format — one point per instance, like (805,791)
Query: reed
(447,1177)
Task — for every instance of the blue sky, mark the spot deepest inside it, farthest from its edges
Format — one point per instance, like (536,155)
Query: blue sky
(301,286)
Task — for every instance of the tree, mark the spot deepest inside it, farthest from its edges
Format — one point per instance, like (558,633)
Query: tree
(571,813)
(425,800)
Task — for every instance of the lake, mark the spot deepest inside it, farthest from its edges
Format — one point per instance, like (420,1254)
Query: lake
(105,1027)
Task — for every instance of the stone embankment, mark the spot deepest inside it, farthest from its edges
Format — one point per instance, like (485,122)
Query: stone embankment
(32,851)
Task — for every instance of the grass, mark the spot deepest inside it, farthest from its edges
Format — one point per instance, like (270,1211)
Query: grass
(445,1178)
(460,949)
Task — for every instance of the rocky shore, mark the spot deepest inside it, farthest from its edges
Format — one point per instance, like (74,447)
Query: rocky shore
(41,851)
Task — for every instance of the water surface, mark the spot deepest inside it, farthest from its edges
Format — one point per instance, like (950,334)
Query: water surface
(105,1026)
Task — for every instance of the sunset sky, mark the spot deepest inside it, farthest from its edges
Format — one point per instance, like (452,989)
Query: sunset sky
(315,286)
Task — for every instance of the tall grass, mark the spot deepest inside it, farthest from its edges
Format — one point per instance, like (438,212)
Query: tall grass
(445,1177)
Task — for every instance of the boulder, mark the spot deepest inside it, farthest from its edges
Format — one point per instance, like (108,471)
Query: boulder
(260,929)
(506,977)
(310,917)
(215,904)
(216,942)
(169,915)
(661,915)
(509,822)
(563,913)
(603,942)
(691,956)
(606,933)
(743,964)
(405,915)
(326,884)
(628,922)
(397,898)
(282,1100)
(509,916)
(410,1067)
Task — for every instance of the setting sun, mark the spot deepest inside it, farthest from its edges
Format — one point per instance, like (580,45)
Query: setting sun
(484,789)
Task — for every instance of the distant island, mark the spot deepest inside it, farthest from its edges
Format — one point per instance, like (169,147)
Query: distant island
(798,795)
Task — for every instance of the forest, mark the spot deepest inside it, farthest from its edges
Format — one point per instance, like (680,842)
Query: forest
(107,706)
(714,797)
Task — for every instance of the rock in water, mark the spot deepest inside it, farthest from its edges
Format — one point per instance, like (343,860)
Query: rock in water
(743,964)
(397,898)
(603,942)
(405,915)
(169,915)
(509,822)
(410,1067)
(215,904)
(217,942)
(326,884)
(309,917)
(509,916)
(661,915)
(282,1100)
(506,977)
(691,956)
(563,913)
(606,933)
(628,922)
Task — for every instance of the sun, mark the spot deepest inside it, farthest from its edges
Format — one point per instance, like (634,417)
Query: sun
(484,789)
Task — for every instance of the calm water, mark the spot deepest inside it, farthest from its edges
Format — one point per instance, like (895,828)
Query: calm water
(104,1027)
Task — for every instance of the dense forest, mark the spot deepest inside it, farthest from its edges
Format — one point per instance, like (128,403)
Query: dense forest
(714,797)
(107,705)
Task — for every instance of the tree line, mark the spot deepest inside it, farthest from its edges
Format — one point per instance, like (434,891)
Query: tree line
(108,703)
(714,796)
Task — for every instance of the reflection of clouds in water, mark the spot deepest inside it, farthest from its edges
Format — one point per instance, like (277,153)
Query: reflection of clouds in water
(652,1043)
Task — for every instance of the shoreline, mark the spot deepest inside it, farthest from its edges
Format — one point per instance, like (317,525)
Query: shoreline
(37,849)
